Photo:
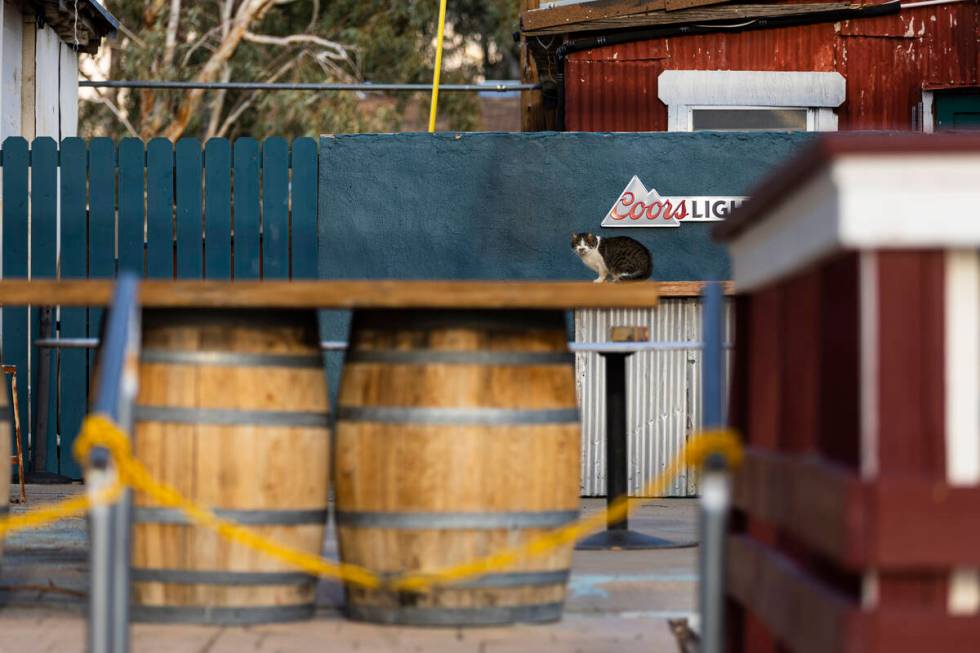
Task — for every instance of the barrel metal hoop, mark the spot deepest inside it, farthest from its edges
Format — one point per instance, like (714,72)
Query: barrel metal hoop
(224,616)
(151,515)
(191,577)
(455,520)
(443,357)
(230,358)
(457,416)
(512,579)
(230,417)
(488,616)
(5,412)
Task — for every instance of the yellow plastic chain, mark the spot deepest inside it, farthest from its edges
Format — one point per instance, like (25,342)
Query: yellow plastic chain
(99,430)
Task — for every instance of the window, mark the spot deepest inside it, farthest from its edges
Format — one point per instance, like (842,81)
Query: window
(719,100)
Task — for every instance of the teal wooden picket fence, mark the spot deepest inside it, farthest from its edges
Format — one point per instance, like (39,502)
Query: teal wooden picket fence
(88,209)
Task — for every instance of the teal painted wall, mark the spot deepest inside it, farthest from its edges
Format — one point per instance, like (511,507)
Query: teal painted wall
(502,206)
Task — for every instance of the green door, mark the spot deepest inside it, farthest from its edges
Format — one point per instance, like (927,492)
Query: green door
(957,111)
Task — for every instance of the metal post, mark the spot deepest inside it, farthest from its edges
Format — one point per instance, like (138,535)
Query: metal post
(617,462)
(715,490)
(101,630)
(617,534)
(110,525)
(39,461)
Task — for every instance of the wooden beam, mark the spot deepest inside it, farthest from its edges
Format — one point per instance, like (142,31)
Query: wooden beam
(803,613)
(808,616)
(819,503)
(902,524)
(694,15)
(341,294)
(565,15)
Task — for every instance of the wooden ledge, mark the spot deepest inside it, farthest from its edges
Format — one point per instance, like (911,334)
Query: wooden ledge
(339,294)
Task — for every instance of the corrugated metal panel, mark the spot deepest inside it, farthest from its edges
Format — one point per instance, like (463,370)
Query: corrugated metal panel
(886,61)
(664,394)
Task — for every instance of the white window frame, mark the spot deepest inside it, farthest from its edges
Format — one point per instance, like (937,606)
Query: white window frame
(685,90)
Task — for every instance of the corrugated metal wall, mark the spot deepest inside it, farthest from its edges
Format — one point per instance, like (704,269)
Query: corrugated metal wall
(663,393)
(886,61)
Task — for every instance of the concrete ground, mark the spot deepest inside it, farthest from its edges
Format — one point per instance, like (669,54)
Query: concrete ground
(618,600)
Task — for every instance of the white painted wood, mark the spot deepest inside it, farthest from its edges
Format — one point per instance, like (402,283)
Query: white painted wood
(798,232)
(683,90)
(69,92)
(962,320)
(10,70)
(928,117)
(868,298)
(865,201)
(28,95)
(47,85)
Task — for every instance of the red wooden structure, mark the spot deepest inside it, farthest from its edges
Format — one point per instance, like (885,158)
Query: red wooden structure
(856,386)
(894,65)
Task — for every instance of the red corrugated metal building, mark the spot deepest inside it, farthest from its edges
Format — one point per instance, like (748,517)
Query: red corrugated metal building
(908,67)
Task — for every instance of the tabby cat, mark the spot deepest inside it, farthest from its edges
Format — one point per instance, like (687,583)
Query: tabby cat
(613,259)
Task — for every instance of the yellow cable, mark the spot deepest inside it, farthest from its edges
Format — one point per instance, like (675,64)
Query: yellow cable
(435,74)
(98,430)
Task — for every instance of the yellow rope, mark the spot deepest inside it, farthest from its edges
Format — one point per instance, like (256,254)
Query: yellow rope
(438,71)
(98,430)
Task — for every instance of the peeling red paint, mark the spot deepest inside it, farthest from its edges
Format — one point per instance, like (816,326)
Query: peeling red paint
(886,60)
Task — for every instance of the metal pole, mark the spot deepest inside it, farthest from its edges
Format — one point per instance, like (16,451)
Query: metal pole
(364,87)
(110,525)
(715,490)
(39,461)
(618,534)
(101,631)
(616,454)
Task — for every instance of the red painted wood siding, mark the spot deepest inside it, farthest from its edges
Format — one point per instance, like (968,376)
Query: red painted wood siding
(886,62)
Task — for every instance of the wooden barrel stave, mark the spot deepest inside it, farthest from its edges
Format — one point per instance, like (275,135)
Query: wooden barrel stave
(232,412)
(458,435)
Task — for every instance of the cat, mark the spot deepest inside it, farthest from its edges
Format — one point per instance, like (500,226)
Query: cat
(613,259)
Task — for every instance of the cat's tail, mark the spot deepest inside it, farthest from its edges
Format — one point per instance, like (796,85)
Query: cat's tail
(637,275)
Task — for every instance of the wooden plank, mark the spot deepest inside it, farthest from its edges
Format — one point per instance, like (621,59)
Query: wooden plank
(689,288)
(805,615)
(820,503)
(132,166)
(696,15)
(589,11)
(15,235)
(44,234)
(102,219)
(101,243)
(190,264)
(674,5)
(304,187)
(275,208)
(217,209)
(245,243)
(159,209)
(74,375)
(345,294)
(810,617)
(910,437)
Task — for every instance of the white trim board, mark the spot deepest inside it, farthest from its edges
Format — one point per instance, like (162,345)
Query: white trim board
(864,201)
(962,320)
(683,90)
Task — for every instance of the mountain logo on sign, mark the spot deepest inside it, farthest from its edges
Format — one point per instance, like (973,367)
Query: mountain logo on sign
(638,207)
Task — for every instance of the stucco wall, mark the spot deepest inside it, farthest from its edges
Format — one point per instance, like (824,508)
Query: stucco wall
(502,206)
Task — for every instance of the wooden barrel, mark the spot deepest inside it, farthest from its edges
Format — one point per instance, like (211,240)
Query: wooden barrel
(233,412)
(5,464)
(458,434)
